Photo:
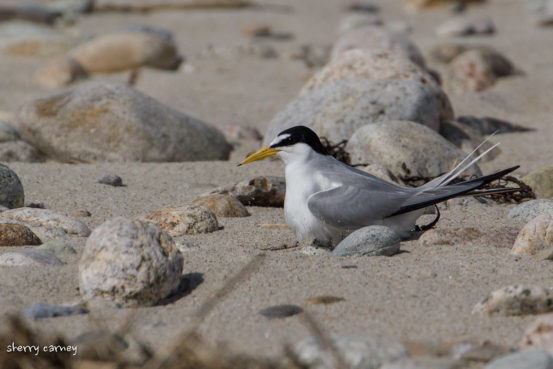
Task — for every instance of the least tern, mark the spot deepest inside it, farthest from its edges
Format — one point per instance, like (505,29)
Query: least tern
(327,199)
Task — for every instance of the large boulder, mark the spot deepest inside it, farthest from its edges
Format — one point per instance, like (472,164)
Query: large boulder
(338,109)
(108,121)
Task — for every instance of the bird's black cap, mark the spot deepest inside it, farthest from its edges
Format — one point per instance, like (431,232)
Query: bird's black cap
(301,134)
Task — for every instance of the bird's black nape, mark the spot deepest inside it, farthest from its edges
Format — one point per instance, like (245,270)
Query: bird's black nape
(301,134)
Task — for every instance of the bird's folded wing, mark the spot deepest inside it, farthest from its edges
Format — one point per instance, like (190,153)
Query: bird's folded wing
(351,207)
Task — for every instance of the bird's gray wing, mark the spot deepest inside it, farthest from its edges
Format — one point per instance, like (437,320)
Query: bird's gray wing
(351,207)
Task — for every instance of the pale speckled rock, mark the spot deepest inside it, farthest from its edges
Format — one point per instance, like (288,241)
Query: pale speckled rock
(338,109)
(379,171)
(183,220)
(527,359)
(129,262)
(372,38)
(13,234)
(374,65)
(126,50)
(44,218)
(465,27)
(358,20)
(407,149)
(424,363)
(476,70)
(61,249)
(258,191)
(19,38)
(29,258)
(369,241)
(20,151)
(59,73)
(539,333)
(535,238)
(11,189)
(446,52)
(126,124)
(541,182)
(516,300)
(357,352)
(222,205)
(527,211)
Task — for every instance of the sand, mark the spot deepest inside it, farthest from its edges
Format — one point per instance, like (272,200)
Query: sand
(423,294)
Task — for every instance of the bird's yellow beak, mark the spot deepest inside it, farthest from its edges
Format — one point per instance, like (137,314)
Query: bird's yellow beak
(260,155)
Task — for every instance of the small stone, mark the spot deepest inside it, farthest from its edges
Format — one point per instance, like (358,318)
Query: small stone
(527,211)
(61,249)
(539,334)
(357,20)
(111,179)
(183,220)
(280,311)
(36,205)
(369,241)
(536,237)
(257,30)
(516,300)
(527,359)
(324,300)
(356,351)
(29,258)
(242,132)
(17,235)
(44,218)
(59,73)
(129,262)
(541,182)
(222,205)
(314,56)
(11,189)
(38,311)
(465,27)
(81,213)
(259,191)
(423,363)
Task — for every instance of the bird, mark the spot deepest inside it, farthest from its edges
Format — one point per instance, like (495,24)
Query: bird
(326,199)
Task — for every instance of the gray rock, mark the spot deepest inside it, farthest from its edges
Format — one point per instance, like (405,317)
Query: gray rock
(369,241)
(183,220)
(527,211)
(535,238)
(423,363)
(222,205)
(126,124)
(47,219)
(407,149)
(29,258)
(516,300)
(129,262)
(357,352)
(339,109)
(20,151)
(8,132)
(259,191)
(11,189)
(465,26)
(541,182)
(372,38)
(527,359)
(111,179)
(19,38)
(61,249)
(38,311)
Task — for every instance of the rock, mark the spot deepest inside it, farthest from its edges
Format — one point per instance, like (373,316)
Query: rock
(129,262)
(516,300)
(369,241)
(339,109)
(18,38)
(242,132)
(527,359)
(127,50)
(81,213)
(36,13)
(12,234)
(46,219)
(527,211)
(183,220)
(376,65)
(222,205)
(8,132)
(476,70)
(380,171)
(457,27)
(126,124)
(20,151)
(59,73)
(111,180)
(407,149)
(11,189)
(280,311)
(413,5)
(399,26)
(363,7)
(423,363)
(29,258)
(61,249)
(541,182)
(467,139)
(314,56)
(259,191)
(445,52)
(536,237)
(38,311)
(539,334)
(356,351)
(358,20)
(378,39)
(489,125)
